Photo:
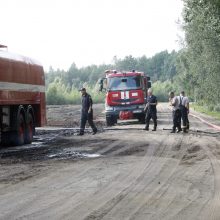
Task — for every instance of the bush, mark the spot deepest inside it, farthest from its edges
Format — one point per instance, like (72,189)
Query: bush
(217,108)
(54,97)
(58,94)
(211,108)
(162,89)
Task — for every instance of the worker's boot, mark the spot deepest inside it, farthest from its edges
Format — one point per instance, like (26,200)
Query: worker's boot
(185,130)
(94,131)
(80,134)
(155,128)
(146,128)
(179,130)
(187,126)
(173,130)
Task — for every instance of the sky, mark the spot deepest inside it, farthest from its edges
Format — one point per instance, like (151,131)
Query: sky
(61,32)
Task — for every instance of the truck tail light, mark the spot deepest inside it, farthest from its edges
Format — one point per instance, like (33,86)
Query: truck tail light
(134,94)
(115,95)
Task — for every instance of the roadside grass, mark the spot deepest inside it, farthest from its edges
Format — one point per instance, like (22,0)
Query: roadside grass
(205,110)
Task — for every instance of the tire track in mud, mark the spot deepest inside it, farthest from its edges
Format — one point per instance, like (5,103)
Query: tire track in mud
(138,184)
(183,202)
(109,203)
(116,202)
(101,213)
(33,198)
(56,185)
(192,199)
(105,194)
(105,198)
(110,148)
(177,199)
(197,192)
(33,194)
(136,193)
(213,206)
(159,181)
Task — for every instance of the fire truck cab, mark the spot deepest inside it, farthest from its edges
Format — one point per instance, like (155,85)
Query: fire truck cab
(22,98)
(125,95)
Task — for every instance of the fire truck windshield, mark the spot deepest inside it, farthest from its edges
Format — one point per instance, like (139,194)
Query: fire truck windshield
(124,83)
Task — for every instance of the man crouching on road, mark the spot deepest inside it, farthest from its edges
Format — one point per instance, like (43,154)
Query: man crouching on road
(86,112)
(151,110)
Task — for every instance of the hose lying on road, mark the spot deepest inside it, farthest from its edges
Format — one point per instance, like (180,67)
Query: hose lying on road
(206,122)
(199,131)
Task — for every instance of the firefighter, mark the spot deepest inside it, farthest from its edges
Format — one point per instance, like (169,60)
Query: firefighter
(184,108)
(176,114)
(86,112)
(151,110)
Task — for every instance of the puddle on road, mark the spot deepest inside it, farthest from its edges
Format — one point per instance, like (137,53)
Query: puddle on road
(47,147)
(14,149)
(37,151)
(72,154)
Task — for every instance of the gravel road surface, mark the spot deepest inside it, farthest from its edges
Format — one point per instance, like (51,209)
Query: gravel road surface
(122,172)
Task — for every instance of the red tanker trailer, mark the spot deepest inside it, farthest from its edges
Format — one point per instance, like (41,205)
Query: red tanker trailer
(22,98)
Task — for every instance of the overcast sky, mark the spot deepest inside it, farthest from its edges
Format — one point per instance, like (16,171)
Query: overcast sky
(60,32)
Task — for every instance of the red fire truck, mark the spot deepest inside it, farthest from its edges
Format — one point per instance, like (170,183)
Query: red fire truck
(22,98)
(125,95)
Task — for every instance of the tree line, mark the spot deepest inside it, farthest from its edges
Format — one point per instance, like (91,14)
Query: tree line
(200,59)
(195,68)
(62,86)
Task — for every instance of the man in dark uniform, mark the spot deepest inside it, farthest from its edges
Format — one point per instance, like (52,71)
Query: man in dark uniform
(86,112)
(151,110)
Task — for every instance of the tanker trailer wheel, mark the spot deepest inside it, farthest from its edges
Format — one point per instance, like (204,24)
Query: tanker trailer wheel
(29,131)
(5,138)
(18,135)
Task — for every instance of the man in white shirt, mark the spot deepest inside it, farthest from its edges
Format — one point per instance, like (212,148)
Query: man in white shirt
(176,114)
(184,108)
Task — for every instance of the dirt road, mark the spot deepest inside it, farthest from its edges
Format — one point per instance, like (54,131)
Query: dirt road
(120,173)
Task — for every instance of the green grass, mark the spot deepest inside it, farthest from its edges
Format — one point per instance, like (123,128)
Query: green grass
(205,110)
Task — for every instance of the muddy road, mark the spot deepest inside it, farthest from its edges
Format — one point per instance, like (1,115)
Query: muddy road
(119,173)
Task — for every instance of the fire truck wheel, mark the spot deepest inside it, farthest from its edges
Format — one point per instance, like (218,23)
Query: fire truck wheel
(110,121)
(29,131)
(19,134)
(141,119)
